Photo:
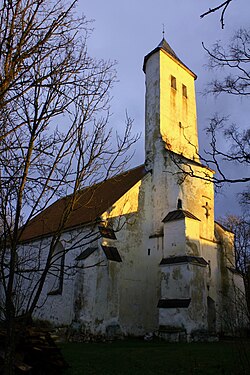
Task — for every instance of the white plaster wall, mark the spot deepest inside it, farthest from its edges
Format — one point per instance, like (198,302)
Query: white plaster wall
(192,231)
(174,238)
(140,277)
(182,237)
(176,279)
(58,308)
(209,251)
(152,108)
(182,281)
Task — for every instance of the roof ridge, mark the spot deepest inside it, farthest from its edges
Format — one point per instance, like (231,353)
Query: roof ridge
(178,215)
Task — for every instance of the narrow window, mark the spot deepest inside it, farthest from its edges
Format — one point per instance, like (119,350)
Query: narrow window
(149,251)
(173,82)
(179,204)
(57,270)
(184,91)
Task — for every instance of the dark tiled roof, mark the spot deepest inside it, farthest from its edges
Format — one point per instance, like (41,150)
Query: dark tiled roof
(223,227)
(112,253)
(179,158)
(165,47)
(234,270)
(86,253)
(107,232)
(173,303)
(91,203)
(157,235)
(178,215)
(185,259)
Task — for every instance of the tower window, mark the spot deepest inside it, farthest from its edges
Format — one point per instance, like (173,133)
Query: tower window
(184,91)
(179,204)
(173,82)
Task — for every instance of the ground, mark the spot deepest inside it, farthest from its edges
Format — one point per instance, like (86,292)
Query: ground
(138,357)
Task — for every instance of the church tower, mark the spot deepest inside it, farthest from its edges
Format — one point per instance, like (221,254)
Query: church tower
(182,198)
(171,140)
(170,104)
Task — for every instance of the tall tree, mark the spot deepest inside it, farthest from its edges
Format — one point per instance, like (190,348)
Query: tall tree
(55,137)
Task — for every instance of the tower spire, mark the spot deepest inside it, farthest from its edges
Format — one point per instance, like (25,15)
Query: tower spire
(163,31)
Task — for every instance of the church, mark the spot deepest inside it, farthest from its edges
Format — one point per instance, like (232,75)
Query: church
(146,254)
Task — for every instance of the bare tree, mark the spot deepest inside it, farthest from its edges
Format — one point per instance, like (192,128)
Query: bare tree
(54,131)
(240,226)
(232,62)
(245,199)
(222,7)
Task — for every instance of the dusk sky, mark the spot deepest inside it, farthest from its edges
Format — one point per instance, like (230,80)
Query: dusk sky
(127,31)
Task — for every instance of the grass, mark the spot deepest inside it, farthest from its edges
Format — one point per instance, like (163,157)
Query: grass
(137,357)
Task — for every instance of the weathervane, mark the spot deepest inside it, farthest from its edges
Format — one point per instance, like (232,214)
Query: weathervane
(163,30)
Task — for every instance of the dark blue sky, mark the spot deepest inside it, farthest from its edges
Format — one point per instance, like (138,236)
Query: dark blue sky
(127,31)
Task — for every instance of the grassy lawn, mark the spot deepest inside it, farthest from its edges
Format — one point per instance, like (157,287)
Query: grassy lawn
(132,357)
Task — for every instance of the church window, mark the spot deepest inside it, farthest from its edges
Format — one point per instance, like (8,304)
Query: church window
(112,253)
(184,91)
(173,82)
(209,268)
(179,204)
(57,270)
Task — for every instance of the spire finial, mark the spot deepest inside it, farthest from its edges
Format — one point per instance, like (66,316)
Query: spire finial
(163,30)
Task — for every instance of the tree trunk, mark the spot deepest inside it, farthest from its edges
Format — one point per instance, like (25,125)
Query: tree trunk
(10,340)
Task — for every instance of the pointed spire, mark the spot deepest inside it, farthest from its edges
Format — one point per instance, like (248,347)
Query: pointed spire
(165,47)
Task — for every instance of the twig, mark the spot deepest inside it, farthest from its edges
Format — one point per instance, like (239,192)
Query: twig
(212,10)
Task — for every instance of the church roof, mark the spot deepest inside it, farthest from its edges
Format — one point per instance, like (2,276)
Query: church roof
(184,259)
(92,202)
(178,215)
(86,253)
(173,303)
(164,46)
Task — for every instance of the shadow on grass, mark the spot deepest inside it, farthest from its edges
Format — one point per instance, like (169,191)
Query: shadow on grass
(134,357)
